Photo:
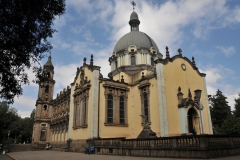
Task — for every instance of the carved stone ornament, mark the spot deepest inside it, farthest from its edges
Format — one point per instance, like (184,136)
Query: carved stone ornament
(183,66)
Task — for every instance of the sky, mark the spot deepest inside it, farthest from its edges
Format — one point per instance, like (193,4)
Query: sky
(208,30)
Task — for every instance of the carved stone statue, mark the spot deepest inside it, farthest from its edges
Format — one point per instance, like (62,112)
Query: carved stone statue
(44,112)
(146,125)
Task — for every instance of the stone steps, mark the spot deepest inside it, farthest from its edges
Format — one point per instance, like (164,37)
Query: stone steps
(19,147)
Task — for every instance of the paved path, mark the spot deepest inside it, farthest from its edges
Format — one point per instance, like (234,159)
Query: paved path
(4,157)
(55,155)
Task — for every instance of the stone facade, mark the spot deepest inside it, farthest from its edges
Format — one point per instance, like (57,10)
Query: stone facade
(143,88)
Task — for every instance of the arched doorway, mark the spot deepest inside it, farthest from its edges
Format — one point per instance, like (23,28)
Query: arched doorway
(192,119)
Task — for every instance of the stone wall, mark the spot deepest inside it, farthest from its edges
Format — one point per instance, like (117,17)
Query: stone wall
(201,146)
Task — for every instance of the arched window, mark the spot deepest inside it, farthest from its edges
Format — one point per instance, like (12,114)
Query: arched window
(43,135)
(133,60)
(121,110)
(145,105)
(110,109)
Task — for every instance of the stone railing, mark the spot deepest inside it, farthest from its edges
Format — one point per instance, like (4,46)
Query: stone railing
(200,146)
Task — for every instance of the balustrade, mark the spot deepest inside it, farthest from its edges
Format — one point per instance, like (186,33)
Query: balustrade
(128,143)
(143,143)
(163,143)
(188,141)
(218,140)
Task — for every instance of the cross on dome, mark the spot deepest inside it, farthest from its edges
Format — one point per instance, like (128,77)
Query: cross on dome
(133,4)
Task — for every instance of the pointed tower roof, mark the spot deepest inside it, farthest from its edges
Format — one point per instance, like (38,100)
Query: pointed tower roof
(49,62)
(48,65)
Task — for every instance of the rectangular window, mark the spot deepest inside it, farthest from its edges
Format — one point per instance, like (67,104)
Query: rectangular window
(122,111)
(133,60)
(145,103)
(110,109)
(85,111)
(43,135)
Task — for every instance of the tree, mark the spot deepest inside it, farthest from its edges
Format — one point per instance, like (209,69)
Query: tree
(220,110)
(9,119)
(228,125)
(25,27)
(237,107)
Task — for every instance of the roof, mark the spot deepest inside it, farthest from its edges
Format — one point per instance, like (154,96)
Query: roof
(133,15)
(139,39)
(49,62)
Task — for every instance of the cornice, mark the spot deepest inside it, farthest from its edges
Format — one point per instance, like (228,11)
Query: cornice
(172,59)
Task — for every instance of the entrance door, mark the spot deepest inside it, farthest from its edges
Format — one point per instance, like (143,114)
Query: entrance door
(191,115)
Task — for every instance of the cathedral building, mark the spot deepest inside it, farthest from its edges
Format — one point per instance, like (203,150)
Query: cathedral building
(167,94)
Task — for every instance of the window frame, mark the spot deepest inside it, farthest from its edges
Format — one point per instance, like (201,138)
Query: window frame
(144,96)
(123,109)
(133,60)
(110,108)
(116,89)
(43,137)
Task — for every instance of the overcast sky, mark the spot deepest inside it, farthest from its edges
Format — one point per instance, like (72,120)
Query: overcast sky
(209,30)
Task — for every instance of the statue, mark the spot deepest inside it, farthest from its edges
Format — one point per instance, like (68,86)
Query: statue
(146,125)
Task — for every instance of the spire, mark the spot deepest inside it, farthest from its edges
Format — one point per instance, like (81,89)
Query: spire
(48,65)
(49,62)
(134,21)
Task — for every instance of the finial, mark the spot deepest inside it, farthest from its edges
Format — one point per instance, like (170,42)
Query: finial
(84,60)
(143,75)
(179,89)
(110,76)
(167,52)
(122,80)
(180,52)
(193,61)
(91,60)
(189,94)
(133,4)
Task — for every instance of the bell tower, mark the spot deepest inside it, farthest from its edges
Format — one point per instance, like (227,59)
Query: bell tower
(43,113)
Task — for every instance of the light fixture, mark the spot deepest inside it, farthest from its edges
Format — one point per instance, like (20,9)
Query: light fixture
(198,94)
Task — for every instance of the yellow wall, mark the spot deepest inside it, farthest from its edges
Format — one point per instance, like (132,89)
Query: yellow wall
(81,133)
(175,76)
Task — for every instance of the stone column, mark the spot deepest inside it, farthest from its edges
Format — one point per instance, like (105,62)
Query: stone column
(162,104)
(183,120)
(94,108)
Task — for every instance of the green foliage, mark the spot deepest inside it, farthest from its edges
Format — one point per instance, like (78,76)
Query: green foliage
(237,107)
(26,26)
(220,110)
(223,120)
(8,120)
(227,126)
(20,129)
(236,125)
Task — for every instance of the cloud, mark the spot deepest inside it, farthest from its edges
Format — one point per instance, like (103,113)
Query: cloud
(26,102)
(24,105)
(87,9)
(24,114)
(231,100)
(172,20)
(227,51)
(218,78)
(64,74)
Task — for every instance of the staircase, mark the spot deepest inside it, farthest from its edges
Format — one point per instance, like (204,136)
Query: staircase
(19,147)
